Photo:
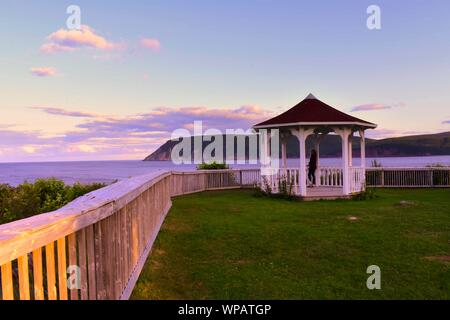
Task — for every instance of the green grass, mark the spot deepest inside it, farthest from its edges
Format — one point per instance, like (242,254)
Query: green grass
(230,245)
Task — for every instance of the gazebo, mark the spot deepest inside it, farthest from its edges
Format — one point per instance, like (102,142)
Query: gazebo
(312,117)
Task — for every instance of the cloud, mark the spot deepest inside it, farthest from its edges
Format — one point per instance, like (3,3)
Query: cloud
(384,133)
(43,72)
(35,146)
(149,43)
(446,122)
(161,122)
(29,149)
(63,112)
(375,106)
(113,137)
(381,133)
(82,148)
(65,40)
(10,137)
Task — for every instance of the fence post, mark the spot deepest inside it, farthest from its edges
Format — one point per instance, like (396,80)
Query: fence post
(431,178)
(240,178)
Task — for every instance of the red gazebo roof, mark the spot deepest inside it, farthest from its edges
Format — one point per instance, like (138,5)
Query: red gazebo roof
(312,111)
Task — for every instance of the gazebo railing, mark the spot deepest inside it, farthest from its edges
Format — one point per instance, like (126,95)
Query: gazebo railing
(360,178)
(357,179)
(327,177)
(330,177)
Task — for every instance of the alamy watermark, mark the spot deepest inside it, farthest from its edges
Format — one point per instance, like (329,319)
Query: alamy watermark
(374,20)
(232,146)
(74,20)
(374,280)
(73,277)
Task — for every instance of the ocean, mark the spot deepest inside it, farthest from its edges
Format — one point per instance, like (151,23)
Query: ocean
(109,171)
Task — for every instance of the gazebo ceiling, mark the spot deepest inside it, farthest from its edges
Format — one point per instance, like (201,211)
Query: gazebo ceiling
(313,112)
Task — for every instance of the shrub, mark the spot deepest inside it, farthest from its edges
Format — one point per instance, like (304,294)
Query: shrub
(285,189)
(51,194)
(258,192)
(212,166)
(77,190)
(44,195)
(367,194)
(436,165)
(266,188)
(24,202)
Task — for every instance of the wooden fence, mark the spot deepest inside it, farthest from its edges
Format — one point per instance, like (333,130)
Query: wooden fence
(95,247)
(408,177)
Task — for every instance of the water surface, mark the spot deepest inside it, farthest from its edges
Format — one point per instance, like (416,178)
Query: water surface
(109,171)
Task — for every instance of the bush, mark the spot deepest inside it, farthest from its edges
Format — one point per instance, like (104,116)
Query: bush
(285,189)
(436,165)
(367,194)
(44,195)
(213,166)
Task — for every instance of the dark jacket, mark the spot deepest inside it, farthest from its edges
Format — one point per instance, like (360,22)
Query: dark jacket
(313,162)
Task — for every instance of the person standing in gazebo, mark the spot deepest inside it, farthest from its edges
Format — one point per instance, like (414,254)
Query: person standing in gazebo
(312,167)
(314,117)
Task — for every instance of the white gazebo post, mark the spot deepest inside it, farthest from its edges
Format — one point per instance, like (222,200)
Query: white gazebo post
(363,158)
(344,133)
(301,134)
(350,150)
(302,173)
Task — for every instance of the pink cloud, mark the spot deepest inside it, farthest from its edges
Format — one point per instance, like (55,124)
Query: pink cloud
(63,112)
(152,44)
(375,106)
(70,40)
(113,137)
(35,146)
(384,133)
(246,112)
(54,47)
(43,72)
(159,122)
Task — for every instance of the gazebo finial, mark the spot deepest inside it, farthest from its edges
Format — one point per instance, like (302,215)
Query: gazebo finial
(310,97)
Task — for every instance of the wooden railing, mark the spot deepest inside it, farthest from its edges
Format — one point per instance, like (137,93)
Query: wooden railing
(408,177)
(95,247)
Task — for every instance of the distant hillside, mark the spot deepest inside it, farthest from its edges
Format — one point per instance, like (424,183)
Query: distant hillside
(330,146)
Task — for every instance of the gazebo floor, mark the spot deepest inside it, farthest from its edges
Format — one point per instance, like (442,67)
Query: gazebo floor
(325,193)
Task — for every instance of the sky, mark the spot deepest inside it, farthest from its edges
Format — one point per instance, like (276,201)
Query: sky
(138,70)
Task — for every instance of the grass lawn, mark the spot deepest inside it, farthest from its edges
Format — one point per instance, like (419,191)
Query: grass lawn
(231,245)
